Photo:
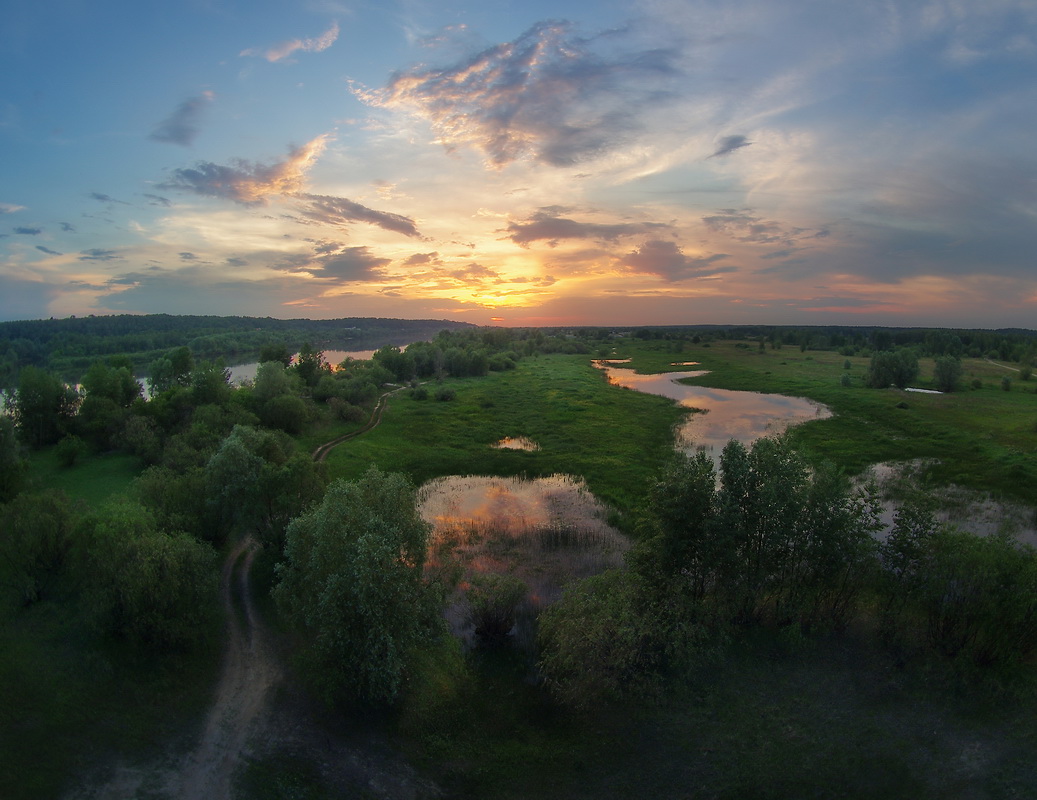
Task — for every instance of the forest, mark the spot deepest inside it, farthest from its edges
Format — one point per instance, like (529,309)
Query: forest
(756,572)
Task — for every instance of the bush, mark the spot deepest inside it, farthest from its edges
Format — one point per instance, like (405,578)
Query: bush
(980,599)
(419,393)
(1006,384)
(492,603)
(157,590)
(598,642)
(444,394)
(69,450)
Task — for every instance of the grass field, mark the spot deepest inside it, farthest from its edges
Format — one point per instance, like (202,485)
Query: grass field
(93,478)
(615,438)
(776,718)
(70,700)
(985,438)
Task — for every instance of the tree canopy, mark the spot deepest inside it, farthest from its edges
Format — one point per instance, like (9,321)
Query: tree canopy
(351,583)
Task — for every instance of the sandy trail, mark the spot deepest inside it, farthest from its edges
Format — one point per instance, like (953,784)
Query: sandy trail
(250,671)
(321,452)
(236,722)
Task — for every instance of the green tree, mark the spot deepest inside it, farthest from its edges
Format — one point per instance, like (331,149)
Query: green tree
(612,635)
(775,541)
(947,373)
(36,537)
(352,583)
(157,590)
(311,365)
(401,364)
(12,464)
(278,353)
(210,384)
(258,481)
(493,603)
(69,450)
(272,380)
(43,407)
(892,368)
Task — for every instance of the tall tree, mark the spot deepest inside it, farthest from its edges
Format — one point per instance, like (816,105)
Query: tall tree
(44,406)
(352,582)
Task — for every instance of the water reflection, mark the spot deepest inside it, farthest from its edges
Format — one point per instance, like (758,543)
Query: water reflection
(516,443)
(726,414)
(247,372)
(545,531)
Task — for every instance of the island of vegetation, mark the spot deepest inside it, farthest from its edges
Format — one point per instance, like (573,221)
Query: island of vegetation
(220,589)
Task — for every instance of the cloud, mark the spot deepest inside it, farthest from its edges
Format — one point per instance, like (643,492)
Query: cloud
(10,208)
(421,258)
(181,126)
(473,273)
(729,144)
(47,250)
(744,226)
(668,261)
(188,256)
(29,231)
(247,182)
(349,264)
(339,210)
(157,200)
(545,226)
(68,227)
(284,49)
(105,198)
(548,96)
(97,254)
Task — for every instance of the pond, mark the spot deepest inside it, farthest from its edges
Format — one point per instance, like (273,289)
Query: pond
(722,414)
(546,532)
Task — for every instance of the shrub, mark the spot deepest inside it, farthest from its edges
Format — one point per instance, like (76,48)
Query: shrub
(69,450)
(444,394)
(1006,384)
(603,640)
(492,603)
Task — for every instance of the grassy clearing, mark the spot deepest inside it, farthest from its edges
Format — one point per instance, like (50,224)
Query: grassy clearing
(93,478)
(984,438)
(614,438)
(777,719)
(72,700)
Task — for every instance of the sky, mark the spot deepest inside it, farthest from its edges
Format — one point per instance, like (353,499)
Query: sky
(532,163)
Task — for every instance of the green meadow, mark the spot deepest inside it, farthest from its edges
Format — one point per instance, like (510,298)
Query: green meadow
(614,438)
(771,715)
(983,438)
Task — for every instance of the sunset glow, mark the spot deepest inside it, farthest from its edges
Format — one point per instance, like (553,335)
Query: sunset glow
(571,163)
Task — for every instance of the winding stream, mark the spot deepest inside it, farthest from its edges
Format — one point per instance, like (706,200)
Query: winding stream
(722,414)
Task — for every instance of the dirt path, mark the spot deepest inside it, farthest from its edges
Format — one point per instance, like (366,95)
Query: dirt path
(321,452)
(236,726)
(250,671)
